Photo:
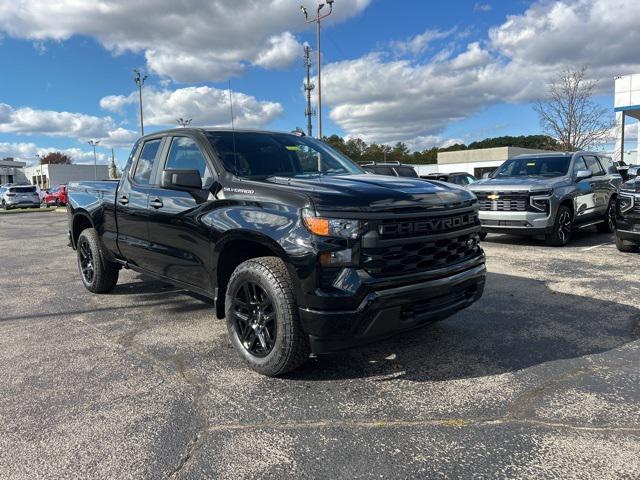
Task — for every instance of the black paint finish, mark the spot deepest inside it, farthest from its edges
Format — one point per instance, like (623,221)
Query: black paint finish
(192,238)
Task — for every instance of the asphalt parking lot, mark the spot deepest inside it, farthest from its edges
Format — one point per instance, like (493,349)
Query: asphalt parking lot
(540,379)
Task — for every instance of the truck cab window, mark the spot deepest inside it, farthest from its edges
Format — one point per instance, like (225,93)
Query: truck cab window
(144,167)
(184,154)
(593,165)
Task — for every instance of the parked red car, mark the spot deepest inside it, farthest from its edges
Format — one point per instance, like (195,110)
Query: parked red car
(57,196)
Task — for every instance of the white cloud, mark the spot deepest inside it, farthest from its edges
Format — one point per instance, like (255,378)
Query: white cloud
(417,44)
(207,106)
(26,152)
(191,40)
(30,121)
(388,100)
(281,51)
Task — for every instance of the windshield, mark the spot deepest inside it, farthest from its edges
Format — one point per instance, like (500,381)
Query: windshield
(262,155)
(534,167)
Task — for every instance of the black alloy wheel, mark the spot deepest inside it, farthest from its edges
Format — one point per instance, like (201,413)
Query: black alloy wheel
(87,265)
(255,319)
(564,226)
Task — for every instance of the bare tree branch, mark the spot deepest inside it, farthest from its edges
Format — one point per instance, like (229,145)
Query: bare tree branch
(570,115)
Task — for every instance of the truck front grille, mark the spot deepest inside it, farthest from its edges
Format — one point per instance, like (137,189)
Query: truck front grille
(420,256)
(503,201)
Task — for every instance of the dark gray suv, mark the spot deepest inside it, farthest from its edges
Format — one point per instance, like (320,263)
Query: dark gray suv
(549,194)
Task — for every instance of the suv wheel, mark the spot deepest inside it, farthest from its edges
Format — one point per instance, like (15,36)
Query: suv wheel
(262,317)
(626,246)
(562,227)
(4,205)
(98,274)
(609,224)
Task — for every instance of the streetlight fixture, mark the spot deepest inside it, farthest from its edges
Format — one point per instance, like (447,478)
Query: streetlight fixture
(317,20)
(139,79)
(94,144)
(184,123)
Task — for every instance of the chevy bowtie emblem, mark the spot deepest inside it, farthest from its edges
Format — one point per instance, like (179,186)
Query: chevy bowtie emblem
(493,196)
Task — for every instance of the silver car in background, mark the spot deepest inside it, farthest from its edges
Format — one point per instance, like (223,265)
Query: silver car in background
(19,196)
(550,194)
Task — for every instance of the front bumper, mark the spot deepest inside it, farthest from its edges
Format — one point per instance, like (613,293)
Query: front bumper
(387,311)
(516,223)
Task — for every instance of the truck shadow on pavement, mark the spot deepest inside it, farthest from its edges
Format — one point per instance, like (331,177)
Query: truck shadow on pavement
(519,323)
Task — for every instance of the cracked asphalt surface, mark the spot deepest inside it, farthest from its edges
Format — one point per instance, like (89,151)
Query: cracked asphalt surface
(540,379)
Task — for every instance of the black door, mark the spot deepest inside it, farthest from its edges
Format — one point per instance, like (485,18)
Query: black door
(132,204)
(180,245)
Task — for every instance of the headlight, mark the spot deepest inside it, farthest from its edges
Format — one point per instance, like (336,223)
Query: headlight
(625,203)
(331,227)
(539,200)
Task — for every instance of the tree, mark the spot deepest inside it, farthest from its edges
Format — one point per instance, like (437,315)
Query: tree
(570,114)
(56,158)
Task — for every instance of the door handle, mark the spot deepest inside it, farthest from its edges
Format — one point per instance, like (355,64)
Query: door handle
(124,200)
(156,203)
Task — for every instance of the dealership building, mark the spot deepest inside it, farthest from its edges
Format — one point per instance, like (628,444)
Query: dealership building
(480,161)
(12,171)
(627,106)
(50,175)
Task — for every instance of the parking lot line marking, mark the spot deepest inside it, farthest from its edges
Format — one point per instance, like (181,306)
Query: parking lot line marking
(595,246)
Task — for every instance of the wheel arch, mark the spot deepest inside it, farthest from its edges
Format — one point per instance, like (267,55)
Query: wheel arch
(81,221)
(236,248)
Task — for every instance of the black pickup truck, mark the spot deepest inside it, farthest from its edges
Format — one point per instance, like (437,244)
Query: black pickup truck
(300,249)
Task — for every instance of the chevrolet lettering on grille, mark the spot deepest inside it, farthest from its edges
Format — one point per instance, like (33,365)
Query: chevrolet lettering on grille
(427,226)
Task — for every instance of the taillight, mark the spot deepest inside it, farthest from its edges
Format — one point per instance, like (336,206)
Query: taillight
(11,194)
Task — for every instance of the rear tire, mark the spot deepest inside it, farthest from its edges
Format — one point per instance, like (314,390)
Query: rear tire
(260,304)
(98,274)
(562,227)
(4,205)
(626,246)
(609,224)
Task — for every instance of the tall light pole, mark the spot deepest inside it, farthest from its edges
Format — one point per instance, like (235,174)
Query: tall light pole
(184,123)
(318,19)
(94,144)
(139,79)
(308,86)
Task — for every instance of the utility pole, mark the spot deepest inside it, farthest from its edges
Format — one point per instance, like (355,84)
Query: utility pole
(184,123)
(94,144)
(139,79)
(318,19)
(308,86)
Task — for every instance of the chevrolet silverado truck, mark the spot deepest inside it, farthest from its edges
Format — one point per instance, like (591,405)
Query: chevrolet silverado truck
(300,249)
(628,216)
(549,194)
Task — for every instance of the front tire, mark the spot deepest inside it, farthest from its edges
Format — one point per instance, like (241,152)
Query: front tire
(262,317)
(626,246)
(562,228)
(98,274)
(609,224)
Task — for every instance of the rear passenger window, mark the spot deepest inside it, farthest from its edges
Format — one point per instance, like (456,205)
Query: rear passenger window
(608,165)
(144,167)
(406,172)
(184,154)
(385,171)
(593,165)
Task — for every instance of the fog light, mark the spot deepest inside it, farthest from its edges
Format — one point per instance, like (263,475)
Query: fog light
(340,258)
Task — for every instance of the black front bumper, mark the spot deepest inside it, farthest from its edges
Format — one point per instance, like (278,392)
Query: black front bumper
(385,312)
(628,227)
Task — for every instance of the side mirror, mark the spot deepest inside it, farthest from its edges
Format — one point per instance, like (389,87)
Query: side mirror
(583,175)
(186,180)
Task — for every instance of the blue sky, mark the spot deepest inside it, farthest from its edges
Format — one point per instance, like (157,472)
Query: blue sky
(426,73)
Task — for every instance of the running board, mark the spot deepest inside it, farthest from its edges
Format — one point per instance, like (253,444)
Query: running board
(590,224)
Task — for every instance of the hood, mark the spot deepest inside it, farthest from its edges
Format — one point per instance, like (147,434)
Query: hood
(632,185)
(517,183)
(374,192)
